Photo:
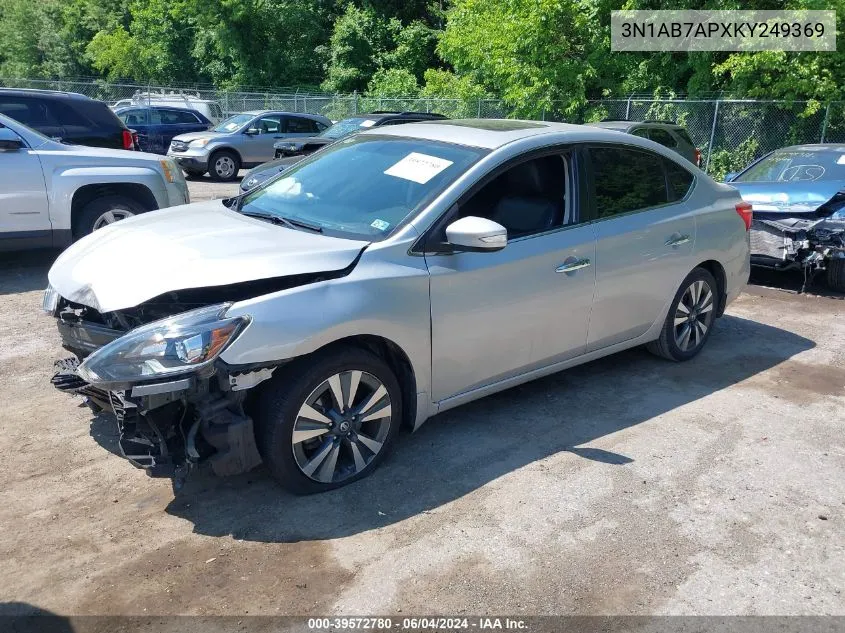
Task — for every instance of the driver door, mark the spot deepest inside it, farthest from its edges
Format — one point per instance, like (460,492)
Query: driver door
(498,314)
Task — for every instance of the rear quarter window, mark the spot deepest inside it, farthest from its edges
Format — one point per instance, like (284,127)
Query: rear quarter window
(682,133)
(663,137)
(679,180)
(97,112)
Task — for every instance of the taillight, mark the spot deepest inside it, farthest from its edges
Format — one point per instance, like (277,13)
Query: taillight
(127,140)
(745,212)
(697,157)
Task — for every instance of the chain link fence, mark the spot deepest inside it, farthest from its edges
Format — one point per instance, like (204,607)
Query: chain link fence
(730,133)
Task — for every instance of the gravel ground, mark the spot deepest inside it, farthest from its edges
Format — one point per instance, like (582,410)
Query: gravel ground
(627,486)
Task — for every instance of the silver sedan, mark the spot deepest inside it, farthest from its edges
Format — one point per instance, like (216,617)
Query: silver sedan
(394,275)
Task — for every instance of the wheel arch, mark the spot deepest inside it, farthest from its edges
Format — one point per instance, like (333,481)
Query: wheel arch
(398,361)
(88,193)
(224,148)
(718,271)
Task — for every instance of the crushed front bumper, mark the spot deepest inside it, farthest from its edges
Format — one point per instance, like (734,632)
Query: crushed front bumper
(798,243)
(167,427)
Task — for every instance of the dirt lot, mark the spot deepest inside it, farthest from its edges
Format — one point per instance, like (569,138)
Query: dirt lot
(626,486)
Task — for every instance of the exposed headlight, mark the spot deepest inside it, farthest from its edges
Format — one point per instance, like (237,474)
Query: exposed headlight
(170,169)
(183,343)
(50,300)
(199,142)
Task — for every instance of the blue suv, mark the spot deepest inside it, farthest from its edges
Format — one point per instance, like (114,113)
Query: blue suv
(157,125)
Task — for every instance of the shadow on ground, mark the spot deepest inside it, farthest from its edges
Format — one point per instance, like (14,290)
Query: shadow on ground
(793,281)
(465,448)
(24,271)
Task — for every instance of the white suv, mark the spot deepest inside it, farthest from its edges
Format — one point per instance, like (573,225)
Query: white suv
(52,194)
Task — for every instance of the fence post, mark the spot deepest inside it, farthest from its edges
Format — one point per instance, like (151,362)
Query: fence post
(826,119)
(628,109)
(478,115)
(712,136)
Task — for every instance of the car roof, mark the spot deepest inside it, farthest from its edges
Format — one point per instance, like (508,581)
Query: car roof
(490,133)
(154,106)
(838,148)
(49,94)
(625,125)
(304,115)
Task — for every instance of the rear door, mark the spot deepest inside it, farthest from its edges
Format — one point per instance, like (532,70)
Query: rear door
(645,237)
(296,126)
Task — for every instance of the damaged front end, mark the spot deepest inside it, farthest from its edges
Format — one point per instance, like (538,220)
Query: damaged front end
(805,243)
(175,403)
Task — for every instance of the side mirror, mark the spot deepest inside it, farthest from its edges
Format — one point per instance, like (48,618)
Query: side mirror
(730,176)
(251,131)
(477,234)
(9,141)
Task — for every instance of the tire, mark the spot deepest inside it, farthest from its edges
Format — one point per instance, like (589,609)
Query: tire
(683,341)
(103,211)
(836,274)
(223,165)
(327,450)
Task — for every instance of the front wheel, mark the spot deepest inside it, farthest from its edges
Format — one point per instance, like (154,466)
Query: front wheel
(224,165)
(690,319)
(328,420)
(104,211)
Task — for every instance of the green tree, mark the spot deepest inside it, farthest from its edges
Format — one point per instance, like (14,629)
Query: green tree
(393,82)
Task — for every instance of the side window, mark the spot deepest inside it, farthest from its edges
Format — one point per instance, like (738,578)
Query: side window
(65,114)
(626,180)
(663,137)
(28,111)
(641,132)
(132,117)
(177,117)
(298,125)
(529,198)
(679,179)
(268,125)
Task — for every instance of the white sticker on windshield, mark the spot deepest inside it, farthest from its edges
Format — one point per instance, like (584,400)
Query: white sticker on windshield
(418,167)
(380,225)
(841,160)
(367,123)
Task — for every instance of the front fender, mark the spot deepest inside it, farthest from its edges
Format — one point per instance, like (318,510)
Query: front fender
(378,298)
(64,182)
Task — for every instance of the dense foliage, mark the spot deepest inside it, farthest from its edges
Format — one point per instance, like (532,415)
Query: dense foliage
(549,55)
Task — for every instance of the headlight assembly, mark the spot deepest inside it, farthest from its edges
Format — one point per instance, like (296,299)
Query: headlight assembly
(50,300)
(199,142)
(180,344)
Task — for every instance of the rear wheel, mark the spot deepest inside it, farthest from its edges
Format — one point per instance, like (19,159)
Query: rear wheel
(224,165)
(836,274)
(104,211)
(690,319)
(328,420)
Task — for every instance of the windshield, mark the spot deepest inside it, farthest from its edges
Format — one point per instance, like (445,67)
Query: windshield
(347,127)
(364,186)
(233,123)
(796,166)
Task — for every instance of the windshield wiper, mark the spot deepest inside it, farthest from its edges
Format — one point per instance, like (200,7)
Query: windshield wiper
(281,221)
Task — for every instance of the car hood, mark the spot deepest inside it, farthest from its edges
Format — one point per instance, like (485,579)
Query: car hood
(191,246)
(788,197)
(192,136)
(304,140)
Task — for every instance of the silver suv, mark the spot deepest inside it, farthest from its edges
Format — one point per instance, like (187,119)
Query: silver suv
(390,276)
(242,140)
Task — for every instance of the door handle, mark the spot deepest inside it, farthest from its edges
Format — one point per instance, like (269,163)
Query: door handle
(677,240)
(571,266)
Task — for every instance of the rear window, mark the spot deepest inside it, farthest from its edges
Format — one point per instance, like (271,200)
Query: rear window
(298,125)
(97,112)
(175,117)
(681,132)
(663,137)
(796,166)
(626,180)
